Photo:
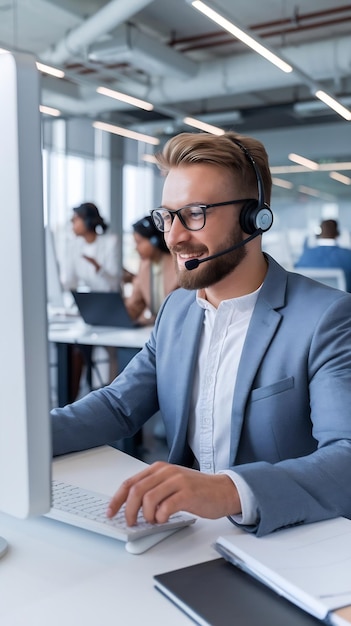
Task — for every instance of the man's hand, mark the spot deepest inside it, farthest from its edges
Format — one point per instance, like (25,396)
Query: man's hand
(163,489)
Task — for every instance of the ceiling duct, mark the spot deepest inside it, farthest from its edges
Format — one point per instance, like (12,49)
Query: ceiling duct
(230,76)
(247,72)
(111,15)
(129,45)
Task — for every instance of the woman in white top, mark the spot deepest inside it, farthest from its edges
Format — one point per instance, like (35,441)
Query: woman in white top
(91,263)
(91,259)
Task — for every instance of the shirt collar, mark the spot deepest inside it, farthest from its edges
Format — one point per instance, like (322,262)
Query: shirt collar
(241,303)
(326,242)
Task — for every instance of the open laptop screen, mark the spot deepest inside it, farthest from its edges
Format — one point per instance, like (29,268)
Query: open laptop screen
(99,308)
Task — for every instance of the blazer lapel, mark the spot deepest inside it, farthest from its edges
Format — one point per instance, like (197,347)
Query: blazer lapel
(263,325)
(189,342)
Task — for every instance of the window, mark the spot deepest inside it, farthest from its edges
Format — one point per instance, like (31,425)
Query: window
(138,194)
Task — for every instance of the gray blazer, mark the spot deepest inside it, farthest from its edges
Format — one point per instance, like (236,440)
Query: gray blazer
(291,412)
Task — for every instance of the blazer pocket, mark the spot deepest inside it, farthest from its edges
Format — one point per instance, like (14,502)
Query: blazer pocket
(270,390)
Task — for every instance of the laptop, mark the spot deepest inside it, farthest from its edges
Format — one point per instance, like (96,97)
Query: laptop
(99,308)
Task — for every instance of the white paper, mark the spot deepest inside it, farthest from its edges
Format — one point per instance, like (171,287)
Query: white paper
(309,564)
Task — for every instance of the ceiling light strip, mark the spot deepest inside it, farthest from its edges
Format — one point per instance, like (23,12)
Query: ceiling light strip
(49,111)
(322,167)
(342,165)
(242,35)
(309,191)
(333,104)
(149,158)
(117,95)
(125,132)
(288,169)
(208,128)
(301,160)
(280,182)
(52,71)
(341,178)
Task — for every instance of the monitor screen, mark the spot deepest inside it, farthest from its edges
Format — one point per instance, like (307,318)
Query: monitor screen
(25,439)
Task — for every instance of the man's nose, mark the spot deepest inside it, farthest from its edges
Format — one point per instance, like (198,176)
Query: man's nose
(177,233)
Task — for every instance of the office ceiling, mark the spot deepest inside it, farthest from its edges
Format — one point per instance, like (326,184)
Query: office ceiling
(169,54)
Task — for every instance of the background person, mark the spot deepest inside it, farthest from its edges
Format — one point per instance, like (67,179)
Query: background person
(327,252)
(156,276)
(91,260)
(254,395)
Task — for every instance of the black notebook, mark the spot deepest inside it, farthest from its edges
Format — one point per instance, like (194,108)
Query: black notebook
(216,593)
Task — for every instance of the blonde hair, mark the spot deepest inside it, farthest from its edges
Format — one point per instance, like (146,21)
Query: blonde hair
(220,150)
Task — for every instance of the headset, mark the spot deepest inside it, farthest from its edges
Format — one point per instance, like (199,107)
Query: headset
(146,228)
(91,219)
(155,241)
(255,215)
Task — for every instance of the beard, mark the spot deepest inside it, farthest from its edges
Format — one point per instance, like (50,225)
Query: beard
(213,271)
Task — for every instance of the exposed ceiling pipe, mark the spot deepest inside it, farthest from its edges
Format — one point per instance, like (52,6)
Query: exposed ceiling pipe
(223,39)
(275,28)
(247,72)
(238,74)
(111,15)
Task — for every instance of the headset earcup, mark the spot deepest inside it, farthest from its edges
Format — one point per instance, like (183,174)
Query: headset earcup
(264,218)
(253,217)
(154,240)
(247,217)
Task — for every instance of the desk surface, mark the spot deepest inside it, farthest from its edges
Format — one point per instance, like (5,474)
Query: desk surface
(76,331)
(60,575)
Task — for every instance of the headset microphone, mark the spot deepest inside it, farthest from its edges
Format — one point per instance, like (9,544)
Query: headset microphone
(192,264)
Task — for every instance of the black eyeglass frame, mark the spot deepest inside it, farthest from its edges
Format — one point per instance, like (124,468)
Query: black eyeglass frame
(203,208)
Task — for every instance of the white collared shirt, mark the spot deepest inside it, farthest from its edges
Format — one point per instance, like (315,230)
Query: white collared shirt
(221,344)
(326,242)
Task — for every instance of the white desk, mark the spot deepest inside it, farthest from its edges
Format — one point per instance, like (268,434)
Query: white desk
(75,331)
(57,575)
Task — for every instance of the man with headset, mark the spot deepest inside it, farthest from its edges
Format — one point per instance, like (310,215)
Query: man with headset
(250,365)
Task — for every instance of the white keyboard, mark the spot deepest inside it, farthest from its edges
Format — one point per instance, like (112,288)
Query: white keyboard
(87,509)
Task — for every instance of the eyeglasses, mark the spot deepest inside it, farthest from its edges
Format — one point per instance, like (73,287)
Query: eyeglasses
(192,216)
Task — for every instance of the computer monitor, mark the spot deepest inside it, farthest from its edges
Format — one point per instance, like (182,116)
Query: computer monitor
(55,293)
(25,438)
(331,276)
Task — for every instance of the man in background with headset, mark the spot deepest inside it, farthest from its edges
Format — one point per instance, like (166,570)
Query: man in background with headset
(250,365)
